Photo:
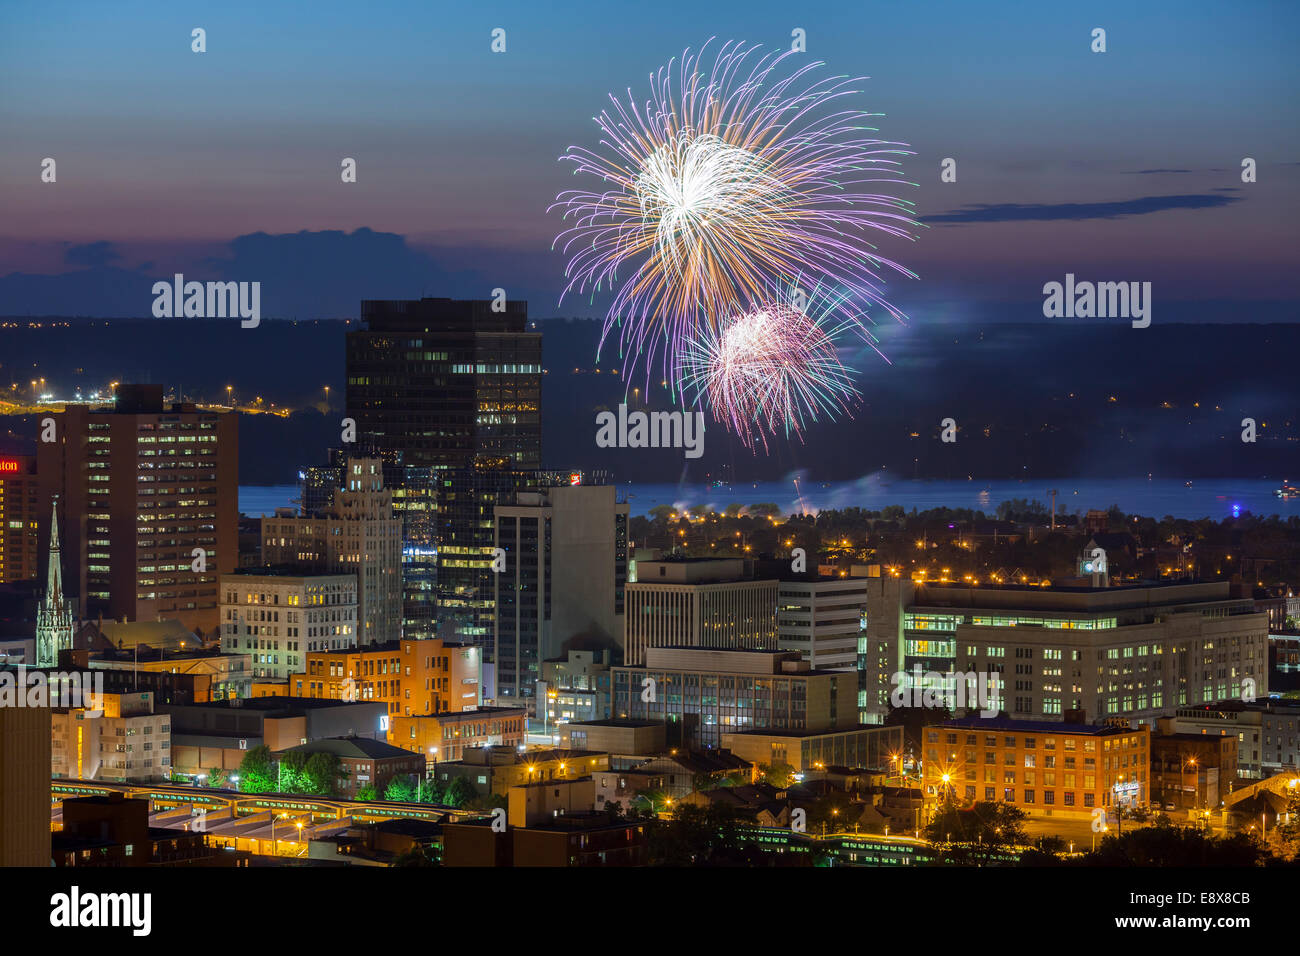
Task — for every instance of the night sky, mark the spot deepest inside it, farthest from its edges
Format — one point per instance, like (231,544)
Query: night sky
(1116,166)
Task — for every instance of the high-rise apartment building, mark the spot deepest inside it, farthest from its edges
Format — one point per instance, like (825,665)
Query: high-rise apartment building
(698,602)
(148,498)
(278,616)
(359,534)
(19,517)
(565,552)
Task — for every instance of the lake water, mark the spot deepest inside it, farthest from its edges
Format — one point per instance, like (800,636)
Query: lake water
(1212,497)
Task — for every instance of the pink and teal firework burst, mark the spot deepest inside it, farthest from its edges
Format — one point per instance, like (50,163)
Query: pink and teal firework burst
(732,174)
(773,369)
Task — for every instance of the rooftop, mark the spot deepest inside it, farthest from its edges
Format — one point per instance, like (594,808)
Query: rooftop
(287,571)
(789,732)
(469,714)
(354,748)
(278,706)
(1029,726)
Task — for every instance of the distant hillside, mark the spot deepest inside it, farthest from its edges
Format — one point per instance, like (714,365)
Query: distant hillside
(1086,400)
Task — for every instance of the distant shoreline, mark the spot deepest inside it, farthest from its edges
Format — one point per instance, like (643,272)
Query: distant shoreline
(1212,498)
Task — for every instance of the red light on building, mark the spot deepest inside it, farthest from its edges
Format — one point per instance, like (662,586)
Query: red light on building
(575,479)
(8,466)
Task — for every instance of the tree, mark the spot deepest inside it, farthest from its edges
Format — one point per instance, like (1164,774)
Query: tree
(693,837)
(416,856)
(662,512)
(216,777)
(493,801)
(976,835)
(778,774)
(255,772)
(459,792)
(1046,851)
(710,836)
(1170,846)
(830,813)
(400,789)
(367,793)
(321,773)
(290,774)
(430,792)
(1284,839)
(654,800)
(1021,509)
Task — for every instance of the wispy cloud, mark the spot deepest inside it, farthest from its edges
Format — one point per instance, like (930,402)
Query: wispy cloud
(99,253)
(1045,212)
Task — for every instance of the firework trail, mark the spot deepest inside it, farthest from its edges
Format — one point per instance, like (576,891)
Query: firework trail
(731,175)
(773,369)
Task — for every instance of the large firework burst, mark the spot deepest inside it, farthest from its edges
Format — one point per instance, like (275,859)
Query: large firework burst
(731,175)
(772,369)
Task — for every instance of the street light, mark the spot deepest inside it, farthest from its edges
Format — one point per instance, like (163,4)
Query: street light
(273,845)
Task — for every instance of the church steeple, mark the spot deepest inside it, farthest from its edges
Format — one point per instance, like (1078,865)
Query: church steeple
(54,624)
(54,579)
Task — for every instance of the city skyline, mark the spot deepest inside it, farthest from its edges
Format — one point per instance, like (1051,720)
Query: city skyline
(880,455)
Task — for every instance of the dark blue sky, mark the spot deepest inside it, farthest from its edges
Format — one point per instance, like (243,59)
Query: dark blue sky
(1122,165)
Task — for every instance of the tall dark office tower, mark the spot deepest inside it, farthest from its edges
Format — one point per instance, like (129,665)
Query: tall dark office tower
(447,381)
(456,387)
